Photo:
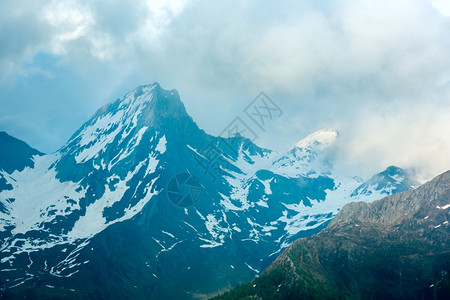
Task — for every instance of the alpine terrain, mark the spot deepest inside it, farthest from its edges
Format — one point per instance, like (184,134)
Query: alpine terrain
(141,203)
(394,248)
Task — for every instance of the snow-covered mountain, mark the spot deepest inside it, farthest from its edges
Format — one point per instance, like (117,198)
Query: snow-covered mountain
(140,202)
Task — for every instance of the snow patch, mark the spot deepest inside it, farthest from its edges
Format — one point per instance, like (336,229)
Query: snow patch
(319,139)
(443,207)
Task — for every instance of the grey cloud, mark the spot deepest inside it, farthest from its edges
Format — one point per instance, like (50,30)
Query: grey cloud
(367,68)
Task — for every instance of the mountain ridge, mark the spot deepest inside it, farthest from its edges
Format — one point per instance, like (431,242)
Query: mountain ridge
(105,194)
(18,154)
(397,247)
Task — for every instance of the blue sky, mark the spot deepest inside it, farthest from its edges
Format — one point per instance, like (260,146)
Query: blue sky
(377,71)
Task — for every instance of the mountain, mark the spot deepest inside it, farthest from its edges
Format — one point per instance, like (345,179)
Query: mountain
(15,154)
(394,248)
(142,203)
(391,181)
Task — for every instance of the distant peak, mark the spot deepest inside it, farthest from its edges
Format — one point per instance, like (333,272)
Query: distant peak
(15,154)
(162,102)
(393,170)
(319,139)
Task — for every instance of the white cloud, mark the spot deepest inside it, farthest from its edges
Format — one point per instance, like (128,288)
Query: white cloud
(71,22)
(443,6)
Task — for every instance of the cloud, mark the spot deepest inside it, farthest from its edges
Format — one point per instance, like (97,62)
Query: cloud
(376,70)
(442,6)
(410,137)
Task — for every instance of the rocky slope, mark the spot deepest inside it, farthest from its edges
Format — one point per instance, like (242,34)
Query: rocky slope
(394,248)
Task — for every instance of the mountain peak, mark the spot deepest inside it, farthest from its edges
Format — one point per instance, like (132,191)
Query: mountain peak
(15,154)
(392,180)
(146,105)
(394,171)
(319,139)
(119,129)
(142,96)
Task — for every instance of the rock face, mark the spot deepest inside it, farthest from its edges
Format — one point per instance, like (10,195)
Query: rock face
(141,203)
(394,248)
